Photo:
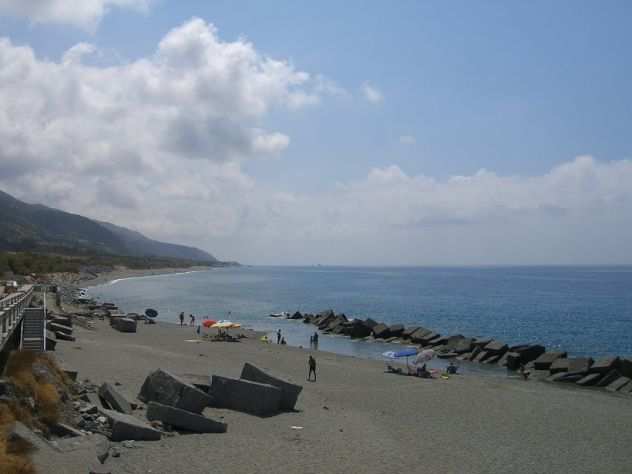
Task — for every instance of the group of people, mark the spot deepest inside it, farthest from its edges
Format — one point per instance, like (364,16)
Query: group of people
(191,319)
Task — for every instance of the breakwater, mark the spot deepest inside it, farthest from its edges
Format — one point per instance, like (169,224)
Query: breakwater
(613,374)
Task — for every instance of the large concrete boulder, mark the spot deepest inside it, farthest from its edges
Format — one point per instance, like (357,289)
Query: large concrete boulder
(358,329)
(114,399)
(370,323)
(430,338)
(21,434)
(617,384)
(605,365)
(625,367)
(162,387)
(62,336)
(50,340)
(528,352)
(464,345)
(125,324)
(545,360)
(590,379)
(183,420)
(59,328)
(451,342)
(579,365)
(512,360)
(326,321)
(608,378)
(381,331)
(419,334)
(481,341)
(396,330)
(496,347)
(492,359)
(126,427)
(289,391)
(243,395)
(61,320)
(409,331)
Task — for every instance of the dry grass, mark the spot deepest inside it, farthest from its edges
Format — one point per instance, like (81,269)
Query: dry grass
(13,455)
(44,390)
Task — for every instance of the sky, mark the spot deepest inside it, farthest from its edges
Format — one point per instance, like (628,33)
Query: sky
(348,133)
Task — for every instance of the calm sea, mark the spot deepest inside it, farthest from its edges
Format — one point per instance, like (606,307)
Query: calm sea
(583,310)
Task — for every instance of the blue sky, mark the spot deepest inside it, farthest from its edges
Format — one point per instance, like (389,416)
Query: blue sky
(516,88)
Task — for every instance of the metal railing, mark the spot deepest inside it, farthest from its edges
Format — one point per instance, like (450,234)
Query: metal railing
(12,308)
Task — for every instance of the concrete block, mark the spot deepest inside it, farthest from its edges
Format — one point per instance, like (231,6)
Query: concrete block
(243,395)
(126,427)
(588,380)
(289,391)
(604,365)
(183,419)
(125,324)
(608,378)
(114,399)
(165,388)
(617,384)
(545,360)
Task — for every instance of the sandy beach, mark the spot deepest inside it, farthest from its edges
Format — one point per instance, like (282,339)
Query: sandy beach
(355,418)
(85,280)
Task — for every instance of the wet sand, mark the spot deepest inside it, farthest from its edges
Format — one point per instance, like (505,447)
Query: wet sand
(355,418)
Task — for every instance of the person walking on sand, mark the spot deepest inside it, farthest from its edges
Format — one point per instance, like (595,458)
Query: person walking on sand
(192,320)
(312,368)
(182,318)
(279,336)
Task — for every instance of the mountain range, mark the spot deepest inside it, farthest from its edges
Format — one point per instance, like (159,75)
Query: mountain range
(35,227)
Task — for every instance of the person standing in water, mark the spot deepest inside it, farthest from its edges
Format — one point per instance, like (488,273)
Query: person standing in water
(182,318)
(279,336)
(192,320)
(312,368)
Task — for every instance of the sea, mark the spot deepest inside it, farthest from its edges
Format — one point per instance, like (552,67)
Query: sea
(586,311)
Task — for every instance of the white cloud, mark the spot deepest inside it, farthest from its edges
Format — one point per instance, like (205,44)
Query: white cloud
(579,212)
(97,140)
(407,140)
(372,93)
(158,145)
(83,14)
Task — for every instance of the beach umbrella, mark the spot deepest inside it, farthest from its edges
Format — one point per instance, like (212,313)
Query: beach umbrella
(207,323)
(223,325)
(424,356)
(408,352)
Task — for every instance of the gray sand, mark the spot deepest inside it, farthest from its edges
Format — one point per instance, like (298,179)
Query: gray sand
(356,418)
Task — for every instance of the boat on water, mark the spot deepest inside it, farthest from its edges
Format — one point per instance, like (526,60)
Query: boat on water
(282,314)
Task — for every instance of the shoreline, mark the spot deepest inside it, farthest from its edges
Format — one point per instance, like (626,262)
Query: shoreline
(356,417)
(119,274)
